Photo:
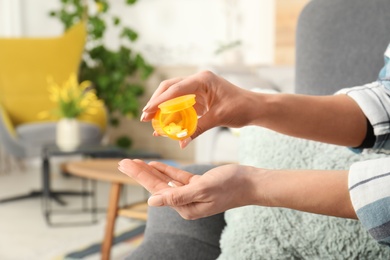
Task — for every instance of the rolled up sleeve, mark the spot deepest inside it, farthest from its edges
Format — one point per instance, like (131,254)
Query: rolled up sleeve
(374,101)
(368,184)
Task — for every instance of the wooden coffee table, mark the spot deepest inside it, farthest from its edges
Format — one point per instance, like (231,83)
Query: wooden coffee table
(107,170)
(87,151)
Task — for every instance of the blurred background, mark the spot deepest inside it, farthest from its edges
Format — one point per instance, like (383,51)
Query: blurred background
(131,47)
(249,42)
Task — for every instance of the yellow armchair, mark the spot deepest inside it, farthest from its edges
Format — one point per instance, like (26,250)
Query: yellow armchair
(25,64)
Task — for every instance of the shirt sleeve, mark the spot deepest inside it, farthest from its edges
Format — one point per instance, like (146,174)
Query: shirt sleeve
(374,101)
(368,184)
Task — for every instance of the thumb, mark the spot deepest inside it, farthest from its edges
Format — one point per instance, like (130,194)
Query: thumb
(173,197)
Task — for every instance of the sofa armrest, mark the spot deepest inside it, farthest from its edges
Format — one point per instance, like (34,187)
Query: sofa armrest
(6,122)
(8,135)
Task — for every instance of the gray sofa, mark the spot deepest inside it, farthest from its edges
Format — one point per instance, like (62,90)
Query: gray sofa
(340,43)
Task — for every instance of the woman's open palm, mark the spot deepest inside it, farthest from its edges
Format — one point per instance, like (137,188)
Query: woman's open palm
(192,196)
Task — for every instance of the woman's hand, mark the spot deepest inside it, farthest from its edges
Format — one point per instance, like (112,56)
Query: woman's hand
(192,196)
(218,102)
(230,186)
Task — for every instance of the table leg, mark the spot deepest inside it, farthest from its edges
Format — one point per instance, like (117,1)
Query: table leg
(112,213)
(47,193)
(46,188)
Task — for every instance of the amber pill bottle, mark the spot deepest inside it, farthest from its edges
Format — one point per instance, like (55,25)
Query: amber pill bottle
(176,118)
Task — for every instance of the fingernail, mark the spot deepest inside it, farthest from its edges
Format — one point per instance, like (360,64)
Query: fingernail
(156,201)
(185,142)
(121,162)
(142,117)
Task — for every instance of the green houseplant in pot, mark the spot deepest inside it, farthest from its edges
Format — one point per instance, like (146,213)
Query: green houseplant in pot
(117,75)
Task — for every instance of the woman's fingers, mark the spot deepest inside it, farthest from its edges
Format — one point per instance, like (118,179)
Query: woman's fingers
(151,106)
(146,176)
(165,178)
(198,84)
(172,172)
(172,88)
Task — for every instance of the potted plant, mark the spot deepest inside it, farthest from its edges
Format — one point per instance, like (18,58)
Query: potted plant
(72,101)
(117,75)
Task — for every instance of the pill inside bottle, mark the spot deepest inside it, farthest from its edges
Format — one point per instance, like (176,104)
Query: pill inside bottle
(176,118)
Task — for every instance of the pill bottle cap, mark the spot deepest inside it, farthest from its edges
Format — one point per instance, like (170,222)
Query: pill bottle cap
(177,104)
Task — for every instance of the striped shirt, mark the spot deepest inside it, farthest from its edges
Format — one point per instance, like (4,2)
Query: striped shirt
(369,187)
(369,181)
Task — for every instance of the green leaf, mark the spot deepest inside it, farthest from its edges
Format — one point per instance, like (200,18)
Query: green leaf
(98,27)
(129,33)
(116,20)
(114,121)
(124,142)
(131,2)
(136,89)
(105,6)
(147,71)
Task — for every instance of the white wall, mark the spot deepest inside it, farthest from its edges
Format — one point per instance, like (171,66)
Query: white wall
(10,18)
(172,32)
(182,32)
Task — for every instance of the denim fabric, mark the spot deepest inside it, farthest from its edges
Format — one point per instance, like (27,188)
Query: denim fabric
(384,74)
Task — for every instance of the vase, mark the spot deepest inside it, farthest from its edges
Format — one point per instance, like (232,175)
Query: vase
(68,134)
